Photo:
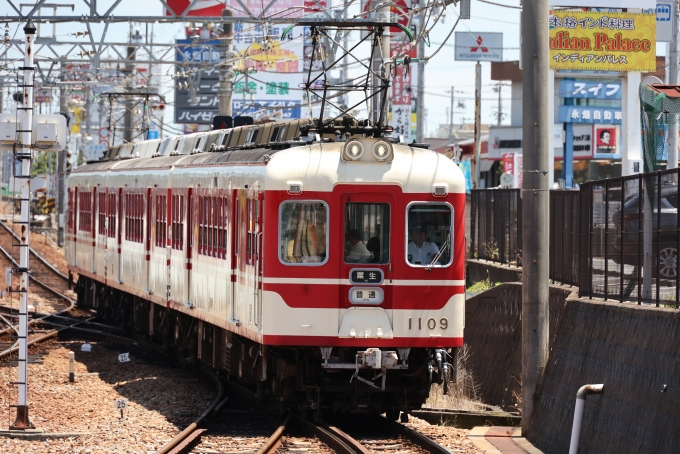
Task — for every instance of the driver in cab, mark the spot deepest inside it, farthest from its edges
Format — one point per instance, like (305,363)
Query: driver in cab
(420,252)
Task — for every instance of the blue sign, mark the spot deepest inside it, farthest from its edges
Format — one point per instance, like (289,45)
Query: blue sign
(152,134)
(198,52)
(586,89)
(663,12)
(583,114)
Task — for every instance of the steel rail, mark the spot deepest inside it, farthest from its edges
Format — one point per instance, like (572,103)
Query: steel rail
(192,433)
(35,254)
(334,438)
(418,439)
(42,338)
(273,443)
(45,287)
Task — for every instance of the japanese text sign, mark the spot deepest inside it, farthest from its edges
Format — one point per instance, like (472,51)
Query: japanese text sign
(587,40)
(589,89)
(582,114)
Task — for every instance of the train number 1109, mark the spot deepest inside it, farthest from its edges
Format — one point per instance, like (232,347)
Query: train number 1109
(430,323)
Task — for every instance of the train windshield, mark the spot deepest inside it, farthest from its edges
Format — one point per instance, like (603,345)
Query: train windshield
(303,232)
(429,234)
(367,233)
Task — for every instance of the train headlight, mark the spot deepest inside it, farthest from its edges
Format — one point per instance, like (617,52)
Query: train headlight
(381,150)
(354,150)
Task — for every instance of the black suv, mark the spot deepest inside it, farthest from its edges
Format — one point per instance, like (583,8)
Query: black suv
(629,221)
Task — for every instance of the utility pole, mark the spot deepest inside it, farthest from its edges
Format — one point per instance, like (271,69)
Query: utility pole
(420,108)
(451,119)
(535,200)
(384,65)
(61,162)
(129,118)
(478,121)
(22,421)
(500,105)
(226,68)
(672,162)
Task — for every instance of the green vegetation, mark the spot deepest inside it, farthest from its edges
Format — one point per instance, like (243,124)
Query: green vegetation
(482,285)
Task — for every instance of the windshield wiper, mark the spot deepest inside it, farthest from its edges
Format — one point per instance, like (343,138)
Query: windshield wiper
(439,254)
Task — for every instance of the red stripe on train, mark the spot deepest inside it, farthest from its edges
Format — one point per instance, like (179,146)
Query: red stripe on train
(330,341)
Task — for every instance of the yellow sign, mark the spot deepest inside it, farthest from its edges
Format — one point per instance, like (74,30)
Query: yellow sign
(77,119)
(587,40)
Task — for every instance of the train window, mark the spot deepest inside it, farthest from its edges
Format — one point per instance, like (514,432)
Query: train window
(112,211)
(429,234)
(85,215)
(303,232)
(177,231)
(101,209)
(367,233)
(161,220)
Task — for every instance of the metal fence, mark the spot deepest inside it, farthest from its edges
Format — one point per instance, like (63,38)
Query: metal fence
(565,212)
(615,239)
(496,230)
(496,225)
(629,238)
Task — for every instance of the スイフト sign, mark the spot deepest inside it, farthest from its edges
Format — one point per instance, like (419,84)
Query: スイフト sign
(586,40)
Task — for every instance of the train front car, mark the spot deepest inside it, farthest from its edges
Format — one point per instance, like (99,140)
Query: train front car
(364,273)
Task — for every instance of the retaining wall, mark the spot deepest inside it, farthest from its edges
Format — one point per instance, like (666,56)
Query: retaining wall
(634,350)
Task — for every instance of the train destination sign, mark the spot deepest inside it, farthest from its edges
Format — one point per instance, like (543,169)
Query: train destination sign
(588,40)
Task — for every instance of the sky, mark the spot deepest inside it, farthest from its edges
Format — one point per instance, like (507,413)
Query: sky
(442,71)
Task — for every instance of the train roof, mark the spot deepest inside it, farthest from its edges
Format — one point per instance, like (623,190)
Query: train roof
(317,164)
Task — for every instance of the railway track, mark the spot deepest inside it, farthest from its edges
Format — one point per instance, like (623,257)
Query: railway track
(52,283)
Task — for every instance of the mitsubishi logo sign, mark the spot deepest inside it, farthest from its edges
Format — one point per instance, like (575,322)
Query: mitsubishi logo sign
(479,43)
(471,46)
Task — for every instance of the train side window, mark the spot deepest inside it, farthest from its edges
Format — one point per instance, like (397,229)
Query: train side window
(85,215)
(101,209)
(112,216)
(161,220)
(303,232)
(177,222)
(367,233)
(429,234)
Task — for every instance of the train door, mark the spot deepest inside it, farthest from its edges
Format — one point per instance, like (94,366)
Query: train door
(94,209)
(100,247)
(119,228)
(183,209)
(256,224)
(234,229)
(72,218)
(367,262)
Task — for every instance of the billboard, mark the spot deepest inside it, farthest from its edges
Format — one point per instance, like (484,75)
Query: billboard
(197,8)
(473,46)
(606,139)
(589,40)
(267,82)
(606,3)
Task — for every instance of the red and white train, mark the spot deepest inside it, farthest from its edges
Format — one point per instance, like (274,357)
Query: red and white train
(327,270)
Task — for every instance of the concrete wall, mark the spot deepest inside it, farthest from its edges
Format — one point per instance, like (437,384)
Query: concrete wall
(478,270)
(493,333)
(634,350)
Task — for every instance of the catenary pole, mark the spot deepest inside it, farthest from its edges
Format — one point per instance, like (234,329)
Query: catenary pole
(61,163)
(451,119)
(478,121)
(500,104)
(420,100)
(673,80)
(22,421)
(535,200)
(226,69)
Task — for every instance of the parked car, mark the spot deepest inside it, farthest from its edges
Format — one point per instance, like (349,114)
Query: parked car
(629,221)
